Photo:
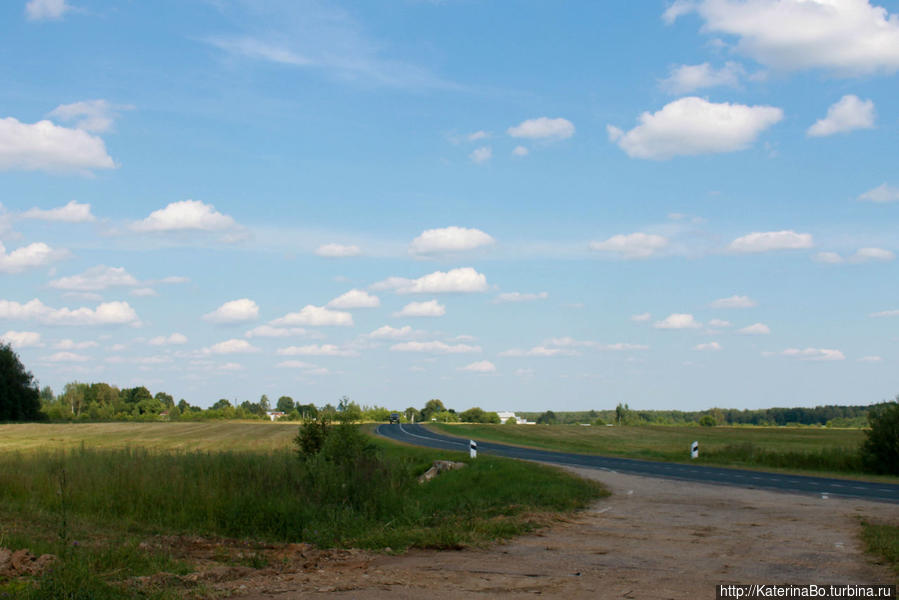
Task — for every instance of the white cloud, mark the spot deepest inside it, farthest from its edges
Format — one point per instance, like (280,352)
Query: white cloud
(868,254)
(847,114)
(718,323)
(66,357)
(715,346)
(95,279)
(520,151)
(633,245)
(108,313)
(870,359)
(316,350)
(315,316)
(232,346)
(21,339)
(481,155)
(449,239)
(33,255)
(435,348)
(477,135)
(689,78)
(539,352)
(755,329)
(431,308)
(623,346)
(831,258)
(96,116)
(846,37)
(235,311)
(520,297)
(691,126)
(386,332)
(276,332)
(39,10)
(295,364)
(144,292)
(175,339)
(677,321)
(881,194)
(72,212)
(337,251)
(771,240)
(814,354)
(885,313)
(543,128)
(462,280)
(185,215)
(481,366)
(355,299)
(642,317)
(43,146)
(734,302)
(73,345)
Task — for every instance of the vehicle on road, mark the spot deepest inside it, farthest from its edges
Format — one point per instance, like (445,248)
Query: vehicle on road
(394,418)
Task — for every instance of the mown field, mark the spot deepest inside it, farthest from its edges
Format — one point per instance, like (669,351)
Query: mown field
(798,449)
(110,498)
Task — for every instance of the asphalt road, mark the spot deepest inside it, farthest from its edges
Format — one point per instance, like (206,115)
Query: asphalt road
(820,486)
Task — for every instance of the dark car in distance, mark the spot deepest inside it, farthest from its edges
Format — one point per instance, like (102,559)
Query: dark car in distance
(394,418)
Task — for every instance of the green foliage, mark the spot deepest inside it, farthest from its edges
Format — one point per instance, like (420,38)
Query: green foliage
(311,438)
(432,407)
(412,414)
(547,418)
(285,404)
(479,415)
(882,540)
(707,421)
(880,451)
(19,395)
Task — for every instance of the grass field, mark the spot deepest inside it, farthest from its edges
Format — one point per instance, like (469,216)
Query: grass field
(97,493)
(797,449)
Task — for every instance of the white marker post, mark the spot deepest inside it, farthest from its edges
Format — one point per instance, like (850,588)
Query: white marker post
(694,450)
(472,448)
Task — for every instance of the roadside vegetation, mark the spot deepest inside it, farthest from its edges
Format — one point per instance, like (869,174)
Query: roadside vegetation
(882,541)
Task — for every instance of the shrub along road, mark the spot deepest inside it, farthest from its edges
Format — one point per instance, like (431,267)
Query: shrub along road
(883,492)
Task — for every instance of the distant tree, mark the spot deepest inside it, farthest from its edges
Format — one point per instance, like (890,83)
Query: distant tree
(547,418)
(478,415)
(307,411)
(348,411)
(19,395)
(432,406)
(264,404)
(621,414)
(880,450)
(165,399)
(285,404)
(412,414)
(221,404)
(707,421)
(183,406)
(47,396)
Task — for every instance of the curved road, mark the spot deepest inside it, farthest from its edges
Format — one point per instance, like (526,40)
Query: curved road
(824,486)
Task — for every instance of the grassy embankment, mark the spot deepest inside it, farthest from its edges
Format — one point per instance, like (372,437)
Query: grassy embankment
(110,487)
(882,540)
(795,449)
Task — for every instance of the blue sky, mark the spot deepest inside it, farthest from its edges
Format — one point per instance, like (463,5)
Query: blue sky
(670,204)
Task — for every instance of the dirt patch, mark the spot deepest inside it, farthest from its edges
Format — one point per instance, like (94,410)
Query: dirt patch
(21,563)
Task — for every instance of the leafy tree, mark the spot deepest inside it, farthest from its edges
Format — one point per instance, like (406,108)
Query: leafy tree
(412,414)
(479,415)
(880,450)
(19,395)
(432,406)
(285,404)
(621,414)
(307,411)
(264,404)
(221,404)
(183,406)
(708,421)
(547,418)
(348,411)
(165,399)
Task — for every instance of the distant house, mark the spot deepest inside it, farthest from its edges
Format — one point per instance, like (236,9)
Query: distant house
(274,415)
(505,416)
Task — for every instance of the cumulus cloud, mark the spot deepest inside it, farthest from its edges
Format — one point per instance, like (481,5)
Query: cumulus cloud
(714,346)
(885,313)
(277,332)
(481,155)
(337,251)
(41,10)
(66,357)
(719,323)
(734,302)
(689,78)
(68,344)
(845,37)
(73,212)
(520,151)
(881,194)
(831,258)
(755,329)
(31,256)
(386,332)
(235,311)
(633,245)
(869,254)
(436,347)
(232,346)
(107,313)
(449,239)
(481,366)
(677,321)
(355,299)
(44,146)
(295,364)
(506,297)
(543,128)
(847,114)
(95,279)
(771,240)
(431,308)
(96,116)
(175,339)
(538,352)
(186,215)
(814,354)
(317,350)
(21,339)
(316,316)
(691,126)
(462,280)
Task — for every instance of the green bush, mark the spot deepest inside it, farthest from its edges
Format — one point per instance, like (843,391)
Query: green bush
(707,421)
(880,450)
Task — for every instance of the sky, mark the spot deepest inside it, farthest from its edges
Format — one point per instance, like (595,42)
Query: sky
(518,206)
